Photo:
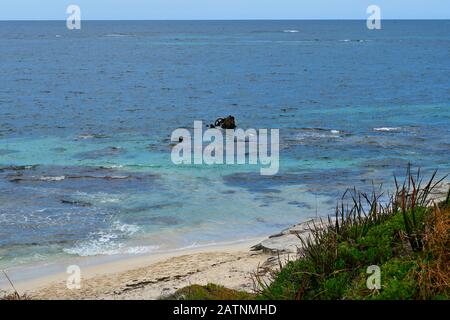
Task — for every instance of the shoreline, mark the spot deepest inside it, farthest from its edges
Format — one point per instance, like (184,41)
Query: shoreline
(153,276)
(156,275)
(166,271)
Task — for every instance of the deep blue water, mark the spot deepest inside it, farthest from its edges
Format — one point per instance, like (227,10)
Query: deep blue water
(86,118)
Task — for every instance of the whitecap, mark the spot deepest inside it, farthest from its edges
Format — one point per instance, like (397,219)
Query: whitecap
(114,166)
(85,136)
(387,129)
(291,31)
(128,229)
(350,40)
(316,135)
(57,178)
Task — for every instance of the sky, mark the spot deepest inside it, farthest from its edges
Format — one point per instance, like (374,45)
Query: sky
(222,9)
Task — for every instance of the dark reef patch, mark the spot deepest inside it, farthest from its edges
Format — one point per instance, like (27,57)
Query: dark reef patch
(100,153)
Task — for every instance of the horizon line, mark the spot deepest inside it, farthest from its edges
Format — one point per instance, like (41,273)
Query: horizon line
(250,19)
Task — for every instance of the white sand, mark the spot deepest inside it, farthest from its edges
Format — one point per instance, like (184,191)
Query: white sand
(153,276)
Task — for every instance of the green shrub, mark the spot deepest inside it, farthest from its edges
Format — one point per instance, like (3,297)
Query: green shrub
(393,236)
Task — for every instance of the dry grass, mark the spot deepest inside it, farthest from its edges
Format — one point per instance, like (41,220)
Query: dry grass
(209,292)
(434,274)
(15,295)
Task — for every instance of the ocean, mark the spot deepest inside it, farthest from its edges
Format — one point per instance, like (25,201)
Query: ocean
(86,118)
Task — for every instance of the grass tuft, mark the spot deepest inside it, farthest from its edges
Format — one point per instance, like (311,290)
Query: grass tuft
(209,292)
(15,294)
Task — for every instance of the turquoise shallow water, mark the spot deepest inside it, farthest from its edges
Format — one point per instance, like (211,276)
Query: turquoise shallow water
(86,118)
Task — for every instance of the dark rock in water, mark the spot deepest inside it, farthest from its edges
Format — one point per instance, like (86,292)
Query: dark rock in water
(229,123)
(300,204)
(164,220)
(74,178)
(77,203)
(387,162)
(224,123)
(18,168)
(58,149)
(334,180)
(153,207)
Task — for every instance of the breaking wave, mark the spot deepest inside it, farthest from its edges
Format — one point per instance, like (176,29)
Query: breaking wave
(387,129)
(107,242)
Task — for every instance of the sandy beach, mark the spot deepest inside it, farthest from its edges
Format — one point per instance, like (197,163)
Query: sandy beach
(159,275)
(156,276)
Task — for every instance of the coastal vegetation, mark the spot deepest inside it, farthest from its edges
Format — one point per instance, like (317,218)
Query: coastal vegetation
(210,292)
(406,237)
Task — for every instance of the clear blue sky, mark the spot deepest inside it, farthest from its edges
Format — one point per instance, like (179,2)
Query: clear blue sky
(222,9)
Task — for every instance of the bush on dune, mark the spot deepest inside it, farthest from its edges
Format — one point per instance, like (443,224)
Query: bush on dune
(407,238)
(209,292)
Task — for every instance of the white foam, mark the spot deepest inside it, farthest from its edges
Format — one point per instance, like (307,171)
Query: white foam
(128,229)
(358,40)
(85,136)
(119,177)
(100,197)
(305,136)
(140,249)
(57,178)
(387,129)
(291,31)
(92,249)
(114,166)
(104,242)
